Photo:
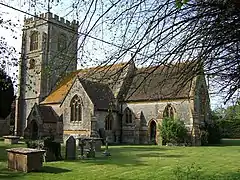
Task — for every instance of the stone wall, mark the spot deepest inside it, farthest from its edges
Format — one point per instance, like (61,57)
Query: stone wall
(147,111)
(114,134)
(50,63)
(154,110)
(201,101)
(82,127)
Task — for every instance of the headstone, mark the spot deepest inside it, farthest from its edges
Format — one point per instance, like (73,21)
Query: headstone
(71,148)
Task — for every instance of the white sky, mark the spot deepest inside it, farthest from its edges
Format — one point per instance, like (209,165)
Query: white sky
(17,17)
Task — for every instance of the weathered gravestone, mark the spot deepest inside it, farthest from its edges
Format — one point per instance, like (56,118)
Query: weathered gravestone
(71,148)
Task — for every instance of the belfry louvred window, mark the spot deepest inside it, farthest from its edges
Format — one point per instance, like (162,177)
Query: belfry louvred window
(34,41)
(76,109)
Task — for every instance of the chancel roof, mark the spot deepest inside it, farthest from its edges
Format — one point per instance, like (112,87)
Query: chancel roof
(161,82)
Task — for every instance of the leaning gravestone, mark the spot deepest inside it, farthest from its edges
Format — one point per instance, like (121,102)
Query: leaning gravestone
(71,148)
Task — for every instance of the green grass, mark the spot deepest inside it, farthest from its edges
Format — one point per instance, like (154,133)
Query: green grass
(139,162)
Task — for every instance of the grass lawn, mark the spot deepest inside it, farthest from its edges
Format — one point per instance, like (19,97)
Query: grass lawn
(139,162)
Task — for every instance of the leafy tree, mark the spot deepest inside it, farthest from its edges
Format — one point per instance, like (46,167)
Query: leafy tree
(6,94)
(233,112)
(7,61)
(173,131)
(229,121)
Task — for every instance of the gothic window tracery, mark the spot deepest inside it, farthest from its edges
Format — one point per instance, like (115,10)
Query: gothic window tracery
(169,111)
(108,122)
(76,109)
(128,115)
(34,41)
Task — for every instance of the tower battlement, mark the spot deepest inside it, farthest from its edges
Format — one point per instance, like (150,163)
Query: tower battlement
(49,17)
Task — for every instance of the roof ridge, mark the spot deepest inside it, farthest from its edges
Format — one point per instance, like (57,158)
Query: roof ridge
(103,66)
(94,82)
(170,65)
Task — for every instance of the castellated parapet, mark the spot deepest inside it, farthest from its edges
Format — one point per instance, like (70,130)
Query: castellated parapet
(52,18)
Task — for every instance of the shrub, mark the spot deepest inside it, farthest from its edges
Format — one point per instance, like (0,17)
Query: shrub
(230,128)
(210,133)
(34,144)
(173,131)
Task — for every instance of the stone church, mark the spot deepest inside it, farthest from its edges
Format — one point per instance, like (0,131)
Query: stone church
(116,101)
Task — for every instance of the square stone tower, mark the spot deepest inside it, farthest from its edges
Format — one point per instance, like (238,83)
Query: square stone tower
(49,51)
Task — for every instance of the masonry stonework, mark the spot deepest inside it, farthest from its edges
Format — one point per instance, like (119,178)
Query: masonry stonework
(125,107)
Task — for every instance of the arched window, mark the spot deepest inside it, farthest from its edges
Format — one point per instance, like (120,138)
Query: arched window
(62,42)
(128,115)
(108,122)
(169,111)
(76,109)
(34,41)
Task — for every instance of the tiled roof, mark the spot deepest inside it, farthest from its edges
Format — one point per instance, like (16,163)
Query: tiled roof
(58,94)
(151,83)
(162,82)
(100,94)
(104,74)
(47,114)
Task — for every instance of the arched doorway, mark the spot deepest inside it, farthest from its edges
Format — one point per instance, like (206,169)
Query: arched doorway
(153,132)
(34,130)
